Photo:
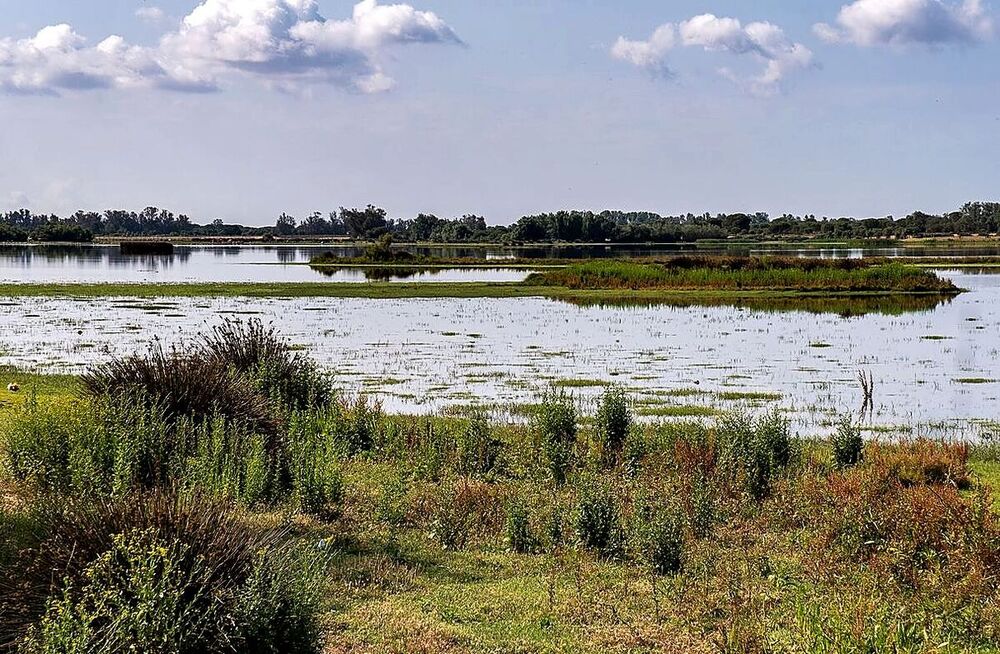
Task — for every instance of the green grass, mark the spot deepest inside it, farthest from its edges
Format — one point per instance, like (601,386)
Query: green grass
(579,383)
(754,396)
(734,273)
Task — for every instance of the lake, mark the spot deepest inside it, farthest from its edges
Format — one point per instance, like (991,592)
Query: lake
(934,370)
(287,263)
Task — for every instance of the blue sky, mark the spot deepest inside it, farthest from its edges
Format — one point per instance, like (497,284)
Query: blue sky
(498,107)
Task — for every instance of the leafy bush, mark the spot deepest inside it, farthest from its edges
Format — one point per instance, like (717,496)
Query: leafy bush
(314,466)
(752,452)
(520,537)
(158,573)
(260,354)
(614,420)
(598,523)
(476,448)
(356,424)
(662,539)
(556,425)
(848,445)
(183,386)
(463,509)
(108,446)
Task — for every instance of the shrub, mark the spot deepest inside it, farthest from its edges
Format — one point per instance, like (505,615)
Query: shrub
(231,463)
(848,445)
(183,386)
(598,524)
(463,509)
(355,424)
(476,448)
(614,420)
(279,606)
(314,466)
(520,537)
(260,354)
(556,424)
(662,534)
(751,453)
(109,446)
(158,572)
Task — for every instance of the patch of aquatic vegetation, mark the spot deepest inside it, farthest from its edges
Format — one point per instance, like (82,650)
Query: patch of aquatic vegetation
(974,380)
(751,396)
(748,273)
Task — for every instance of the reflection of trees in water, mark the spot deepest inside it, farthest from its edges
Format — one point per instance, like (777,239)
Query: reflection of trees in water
(379,274)
(24,256)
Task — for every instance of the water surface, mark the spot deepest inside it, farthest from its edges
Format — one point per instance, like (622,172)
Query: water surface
(423,355)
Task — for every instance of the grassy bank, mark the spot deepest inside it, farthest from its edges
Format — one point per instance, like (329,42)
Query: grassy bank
(135,494)
(737,274)
(844,303)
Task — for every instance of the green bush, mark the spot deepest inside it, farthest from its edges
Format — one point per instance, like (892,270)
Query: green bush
(613,423)
(663,540)
(157,573)
(476,448)
(848,444)
(556,425)
(598,523)
(520,537)
(314,466)
(753,452)
(106,447)
(232,463)
(184,385)
(260,354)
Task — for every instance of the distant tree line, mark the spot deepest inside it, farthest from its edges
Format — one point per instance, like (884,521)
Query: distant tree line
(372,222)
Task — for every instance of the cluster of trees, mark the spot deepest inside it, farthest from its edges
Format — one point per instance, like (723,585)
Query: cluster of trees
(570,226)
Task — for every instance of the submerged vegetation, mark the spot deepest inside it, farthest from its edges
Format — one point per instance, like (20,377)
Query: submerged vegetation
(222,497)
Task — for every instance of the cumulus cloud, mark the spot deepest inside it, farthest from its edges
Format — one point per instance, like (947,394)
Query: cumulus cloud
(762,41)
(907,22)
(287,43)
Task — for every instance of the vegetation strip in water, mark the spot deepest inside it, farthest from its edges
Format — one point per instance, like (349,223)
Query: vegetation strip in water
(751,273)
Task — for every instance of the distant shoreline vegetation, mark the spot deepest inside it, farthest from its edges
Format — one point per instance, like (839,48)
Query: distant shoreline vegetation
(371,222)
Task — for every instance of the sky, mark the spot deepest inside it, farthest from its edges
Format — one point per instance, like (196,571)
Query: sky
(243,109)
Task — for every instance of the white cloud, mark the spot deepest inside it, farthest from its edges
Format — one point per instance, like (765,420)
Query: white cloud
(906,22)
(286,43)
(150,14)
(763,41)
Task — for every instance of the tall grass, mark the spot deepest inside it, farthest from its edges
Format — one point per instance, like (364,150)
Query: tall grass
(730,273)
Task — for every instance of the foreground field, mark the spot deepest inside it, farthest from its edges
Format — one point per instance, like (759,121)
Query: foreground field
(349,530)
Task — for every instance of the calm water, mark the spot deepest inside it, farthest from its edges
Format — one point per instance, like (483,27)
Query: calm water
(97,263)
(426,354)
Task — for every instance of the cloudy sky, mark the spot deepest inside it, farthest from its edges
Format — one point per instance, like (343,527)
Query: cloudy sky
(241,109)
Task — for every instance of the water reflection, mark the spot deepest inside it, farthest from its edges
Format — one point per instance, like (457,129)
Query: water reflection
(287,263)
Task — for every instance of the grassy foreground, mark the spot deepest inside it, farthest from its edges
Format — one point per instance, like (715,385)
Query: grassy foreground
(573,532)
